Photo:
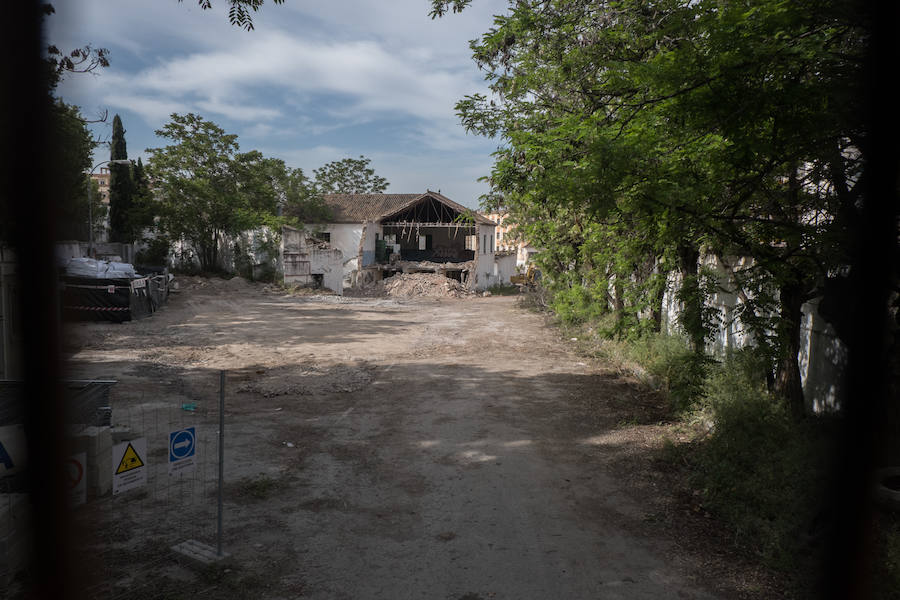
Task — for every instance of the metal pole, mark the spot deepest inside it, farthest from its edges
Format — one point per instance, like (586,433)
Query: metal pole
(90,214)
(221,458)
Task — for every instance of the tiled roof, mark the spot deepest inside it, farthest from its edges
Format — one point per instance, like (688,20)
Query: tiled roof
(356,208)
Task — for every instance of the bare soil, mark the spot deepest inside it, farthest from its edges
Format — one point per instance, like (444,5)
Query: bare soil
(394,448)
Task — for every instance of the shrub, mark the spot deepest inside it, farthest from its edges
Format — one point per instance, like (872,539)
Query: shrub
(504,289)
(761,471)
(886,567)
(575,305)
(156,253)
(673,366)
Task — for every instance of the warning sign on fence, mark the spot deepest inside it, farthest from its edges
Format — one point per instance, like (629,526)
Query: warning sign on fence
(129,465)
(75,478)
(182,450)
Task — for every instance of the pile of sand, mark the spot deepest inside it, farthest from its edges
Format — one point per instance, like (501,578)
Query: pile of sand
(428,285)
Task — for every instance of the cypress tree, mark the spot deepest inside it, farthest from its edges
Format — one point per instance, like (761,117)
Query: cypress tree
(142,209)
(120,187)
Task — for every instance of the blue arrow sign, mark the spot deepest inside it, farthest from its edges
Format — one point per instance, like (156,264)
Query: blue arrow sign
(181,444)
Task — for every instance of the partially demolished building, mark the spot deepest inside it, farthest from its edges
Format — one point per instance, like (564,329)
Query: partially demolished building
(380,235)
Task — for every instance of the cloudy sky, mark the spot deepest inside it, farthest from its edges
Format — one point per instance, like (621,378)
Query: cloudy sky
(316,81)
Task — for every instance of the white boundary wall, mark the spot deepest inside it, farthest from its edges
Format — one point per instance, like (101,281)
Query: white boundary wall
(822,355)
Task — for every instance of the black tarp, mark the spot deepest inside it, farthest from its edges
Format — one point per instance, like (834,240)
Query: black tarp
(86,299)
(115,300)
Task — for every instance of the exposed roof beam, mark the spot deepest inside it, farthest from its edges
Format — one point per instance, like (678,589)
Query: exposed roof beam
(420,225)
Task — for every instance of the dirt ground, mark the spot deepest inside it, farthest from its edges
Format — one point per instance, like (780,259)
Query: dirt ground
(399,448)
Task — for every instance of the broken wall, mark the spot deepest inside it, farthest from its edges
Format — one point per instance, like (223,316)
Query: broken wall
(822,355)
(306,264)
(371,230)
(504,267)
(346,238)
(484,258)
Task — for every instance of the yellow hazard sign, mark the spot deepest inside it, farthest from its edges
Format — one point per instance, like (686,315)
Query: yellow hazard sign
(130,460)
(129,465)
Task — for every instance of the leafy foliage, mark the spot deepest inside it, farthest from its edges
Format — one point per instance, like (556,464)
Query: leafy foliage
(635,136)
(201,184)
(239,11)
(349,176)
(121,187)
(207,191)
(762,471)
(72,161)
(85,59)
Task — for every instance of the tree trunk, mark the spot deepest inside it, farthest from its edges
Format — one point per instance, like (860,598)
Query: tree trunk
(214,253)
(691,299)
(618,305)
(787,375)
(656,307)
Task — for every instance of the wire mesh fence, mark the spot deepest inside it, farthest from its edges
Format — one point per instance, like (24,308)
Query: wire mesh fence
(144,474)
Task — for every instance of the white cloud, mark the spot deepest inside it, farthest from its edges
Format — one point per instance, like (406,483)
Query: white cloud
(310,70)
(154,111)
(363,73)
(238,112)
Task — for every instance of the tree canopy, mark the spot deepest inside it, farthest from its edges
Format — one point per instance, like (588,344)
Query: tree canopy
(349,176)
(635,136)
(206,190)
(121,188)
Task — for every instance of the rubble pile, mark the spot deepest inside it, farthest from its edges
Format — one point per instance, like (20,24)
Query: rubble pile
(429,285)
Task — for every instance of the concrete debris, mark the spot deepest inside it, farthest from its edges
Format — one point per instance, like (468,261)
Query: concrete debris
(437,267)
(429,285)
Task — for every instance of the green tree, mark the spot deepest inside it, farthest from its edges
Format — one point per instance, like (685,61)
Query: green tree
(72,162)
(207,192)
(287,191)
(195,177)
(663,129)
(349,176)
(143,208)
(121,188)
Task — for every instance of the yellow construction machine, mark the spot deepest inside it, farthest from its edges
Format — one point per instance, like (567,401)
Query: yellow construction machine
(527,279)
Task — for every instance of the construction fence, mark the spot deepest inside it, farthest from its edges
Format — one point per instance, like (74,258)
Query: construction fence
(143,479)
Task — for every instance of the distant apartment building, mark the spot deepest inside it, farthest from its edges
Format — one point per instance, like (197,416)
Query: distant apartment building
(506,241)
(102,179)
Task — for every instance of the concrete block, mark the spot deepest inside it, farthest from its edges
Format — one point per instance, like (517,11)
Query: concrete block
(199,553)
(15,533)
(121,433)
(96,442)
(99,475)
